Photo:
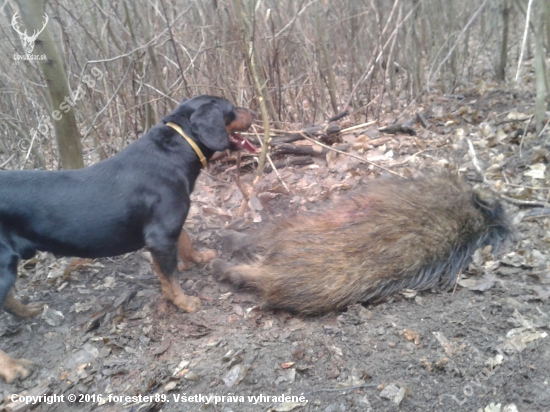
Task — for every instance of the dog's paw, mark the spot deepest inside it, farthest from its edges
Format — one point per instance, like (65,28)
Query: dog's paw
(16,308)
(11,369)
(207,255)
(203,257)
(33,309)
(200,258)
(187,303)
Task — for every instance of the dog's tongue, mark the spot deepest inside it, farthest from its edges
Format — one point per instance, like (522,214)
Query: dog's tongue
(243,143)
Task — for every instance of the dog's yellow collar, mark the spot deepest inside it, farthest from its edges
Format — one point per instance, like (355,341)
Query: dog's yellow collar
(190,141)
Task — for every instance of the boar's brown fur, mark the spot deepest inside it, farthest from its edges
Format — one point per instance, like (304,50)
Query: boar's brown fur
(399,233)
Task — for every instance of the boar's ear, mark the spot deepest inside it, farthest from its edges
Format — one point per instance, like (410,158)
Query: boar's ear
(208,124)
(488,204)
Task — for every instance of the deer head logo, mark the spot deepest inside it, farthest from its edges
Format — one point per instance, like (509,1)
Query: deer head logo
(28,40)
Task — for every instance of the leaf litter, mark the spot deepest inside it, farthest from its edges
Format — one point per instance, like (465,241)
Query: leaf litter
(415,350)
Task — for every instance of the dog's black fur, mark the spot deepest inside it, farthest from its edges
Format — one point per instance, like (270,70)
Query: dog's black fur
(138,198)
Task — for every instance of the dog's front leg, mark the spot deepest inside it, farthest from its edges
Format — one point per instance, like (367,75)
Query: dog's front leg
(11,368)
(164,265)
(187,253)
(16,308)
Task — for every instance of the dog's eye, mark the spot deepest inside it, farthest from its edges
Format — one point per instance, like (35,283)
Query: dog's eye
(230,118)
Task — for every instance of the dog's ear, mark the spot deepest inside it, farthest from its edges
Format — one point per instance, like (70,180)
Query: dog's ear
(207,123)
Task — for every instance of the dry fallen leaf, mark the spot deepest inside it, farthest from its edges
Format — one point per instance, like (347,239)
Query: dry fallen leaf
(537,171)
(411,336)
(480,284)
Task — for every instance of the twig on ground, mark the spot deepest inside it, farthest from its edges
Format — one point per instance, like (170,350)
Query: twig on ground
(524,134)
(338,116)
(418,153)
(523,119)
(350,155)
(519,202)
(475,162)
(246,193)
(277,173)
(358,126)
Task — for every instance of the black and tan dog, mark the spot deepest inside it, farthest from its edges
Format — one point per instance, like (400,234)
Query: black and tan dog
(138,198)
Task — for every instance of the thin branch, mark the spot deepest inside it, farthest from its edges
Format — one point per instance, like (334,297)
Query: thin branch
(108,103)
(475,162)
(524,42)
(7,161)
(373,60)
(462,33)
(349,154)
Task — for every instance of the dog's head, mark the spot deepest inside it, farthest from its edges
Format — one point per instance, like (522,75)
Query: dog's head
(215,122)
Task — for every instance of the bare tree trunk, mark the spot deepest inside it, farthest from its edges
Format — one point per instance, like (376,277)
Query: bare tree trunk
(53,70)
(540,75)
(420,46)
(453,60)
(325,60)
(501,70)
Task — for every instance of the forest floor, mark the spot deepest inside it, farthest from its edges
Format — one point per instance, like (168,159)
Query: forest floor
(483,347)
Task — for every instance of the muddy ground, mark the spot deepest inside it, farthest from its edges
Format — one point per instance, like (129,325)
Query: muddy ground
(484,343)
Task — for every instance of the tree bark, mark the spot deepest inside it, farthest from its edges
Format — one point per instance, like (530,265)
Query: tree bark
(53,70)
(540,75)
(501,70)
